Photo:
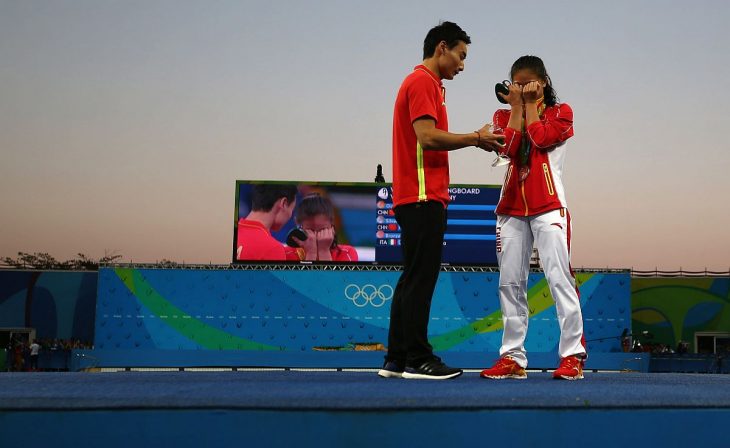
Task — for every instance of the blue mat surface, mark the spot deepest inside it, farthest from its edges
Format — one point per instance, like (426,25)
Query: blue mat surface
(347,391)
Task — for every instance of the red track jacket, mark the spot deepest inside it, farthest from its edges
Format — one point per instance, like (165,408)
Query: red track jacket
(542,191)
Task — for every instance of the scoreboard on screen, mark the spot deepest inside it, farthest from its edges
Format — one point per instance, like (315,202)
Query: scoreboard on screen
(470,226)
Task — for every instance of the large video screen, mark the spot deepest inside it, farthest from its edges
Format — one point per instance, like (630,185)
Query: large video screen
(302,222)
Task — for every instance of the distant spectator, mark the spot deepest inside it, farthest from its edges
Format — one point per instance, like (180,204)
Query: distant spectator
(682,347)
(637,348)
(626,343)
(18,361)
(34,350)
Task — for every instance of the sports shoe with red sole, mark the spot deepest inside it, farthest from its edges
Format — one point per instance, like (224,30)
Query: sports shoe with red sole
(570,368)
(505,368)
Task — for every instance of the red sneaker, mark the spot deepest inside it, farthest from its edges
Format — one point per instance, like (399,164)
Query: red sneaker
(571,368)
(505,368)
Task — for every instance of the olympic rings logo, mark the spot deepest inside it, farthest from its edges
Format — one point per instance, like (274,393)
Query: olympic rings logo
(375,296)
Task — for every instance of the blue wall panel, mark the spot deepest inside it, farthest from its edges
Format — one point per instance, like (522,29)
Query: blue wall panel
(299,311)
(13,293)
(57,304)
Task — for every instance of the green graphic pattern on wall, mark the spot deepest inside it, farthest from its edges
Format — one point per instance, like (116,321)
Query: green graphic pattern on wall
(205,335)
(673,310)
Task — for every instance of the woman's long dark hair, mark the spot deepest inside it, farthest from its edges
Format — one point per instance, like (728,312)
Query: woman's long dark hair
(535,64)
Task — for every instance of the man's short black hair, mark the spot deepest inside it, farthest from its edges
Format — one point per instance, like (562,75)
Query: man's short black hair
(264,196)
(449,32)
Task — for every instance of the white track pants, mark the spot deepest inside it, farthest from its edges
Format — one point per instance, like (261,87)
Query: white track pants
(550,232)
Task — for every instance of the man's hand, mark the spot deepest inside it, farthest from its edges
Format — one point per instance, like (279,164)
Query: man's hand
(489,141)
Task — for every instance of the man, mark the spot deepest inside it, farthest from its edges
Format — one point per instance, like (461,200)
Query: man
(421,142)
(34,353)
(271,207)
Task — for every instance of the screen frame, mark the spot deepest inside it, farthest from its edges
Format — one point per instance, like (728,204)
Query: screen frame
(374,185)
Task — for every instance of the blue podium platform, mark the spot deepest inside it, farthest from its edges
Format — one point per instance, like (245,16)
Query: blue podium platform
(304,408)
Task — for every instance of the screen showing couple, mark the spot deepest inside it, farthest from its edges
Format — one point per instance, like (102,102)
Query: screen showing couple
(300,222)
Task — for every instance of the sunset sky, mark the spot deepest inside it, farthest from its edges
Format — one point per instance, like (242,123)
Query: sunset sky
(125,124)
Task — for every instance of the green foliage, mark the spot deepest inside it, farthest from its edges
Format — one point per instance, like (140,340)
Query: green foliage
(43,260)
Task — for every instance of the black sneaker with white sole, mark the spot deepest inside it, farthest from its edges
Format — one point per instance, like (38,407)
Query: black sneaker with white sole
(433,369)
(391,369)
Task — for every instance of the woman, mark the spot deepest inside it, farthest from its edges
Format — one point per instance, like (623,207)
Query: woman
(532,209)
(315,216)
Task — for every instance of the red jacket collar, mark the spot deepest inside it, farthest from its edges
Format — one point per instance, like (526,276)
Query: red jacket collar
(251,223)
(432,74)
